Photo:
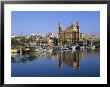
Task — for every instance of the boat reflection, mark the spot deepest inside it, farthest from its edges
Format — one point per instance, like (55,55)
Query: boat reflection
(71,59)
(23,58)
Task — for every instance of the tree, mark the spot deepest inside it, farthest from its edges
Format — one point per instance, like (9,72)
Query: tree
(14,42)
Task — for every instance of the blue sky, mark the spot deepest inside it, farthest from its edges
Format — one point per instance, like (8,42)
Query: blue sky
(42,22)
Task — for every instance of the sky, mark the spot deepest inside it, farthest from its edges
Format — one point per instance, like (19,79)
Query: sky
(43,22)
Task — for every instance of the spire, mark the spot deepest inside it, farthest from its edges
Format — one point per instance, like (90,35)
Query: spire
(59,24)
(59,28)
(77,23)
(71,24)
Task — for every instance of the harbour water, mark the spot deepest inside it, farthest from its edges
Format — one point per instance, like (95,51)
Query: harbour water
(85,63)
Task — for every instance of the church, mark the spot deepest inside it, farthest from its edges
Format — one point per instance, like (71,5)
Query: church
(71,35)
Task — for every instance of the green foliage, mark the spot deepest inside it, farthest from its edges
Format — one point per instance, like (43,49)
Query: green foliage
(14,42)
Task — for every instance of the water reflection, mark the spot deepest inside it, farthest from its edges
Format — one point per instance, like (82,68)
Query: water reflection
(23,58)
(71,59)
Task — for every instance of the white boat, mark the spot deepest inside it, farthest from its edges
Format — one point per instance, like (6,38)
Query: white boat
(82,47)
(49,50)
(73,48)
(44,50)
(37,49)
(93,47)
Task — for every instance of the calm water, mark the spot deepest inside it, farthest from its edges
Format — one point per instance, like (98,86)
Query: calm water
(57,64)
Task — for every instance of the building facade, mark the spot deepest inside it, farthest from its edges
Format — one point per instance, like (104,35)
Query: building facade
(71,35)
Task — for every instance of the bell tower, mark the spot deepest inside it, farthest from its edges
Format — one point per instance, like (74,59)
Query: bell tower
(59,28)
(77,25)
(59,34)
(78,32)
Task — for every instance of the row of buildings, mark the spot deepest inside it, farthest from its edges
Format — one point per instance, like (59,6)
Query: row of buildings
(68,36)
(34,40)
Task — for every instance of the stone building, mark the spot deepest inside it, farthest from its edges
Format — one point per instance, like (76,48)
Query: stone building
(70,35)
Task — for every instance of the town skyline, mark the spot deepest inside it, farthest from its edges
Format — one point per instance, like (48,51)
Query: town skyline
(60,43)
(44,22)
